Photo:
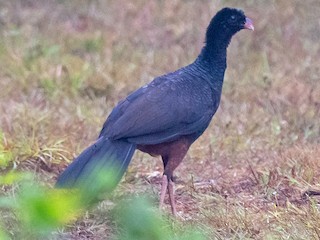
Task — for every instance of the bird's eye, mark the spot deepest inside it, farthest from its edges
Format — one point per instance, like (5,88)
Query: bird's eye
(233,17)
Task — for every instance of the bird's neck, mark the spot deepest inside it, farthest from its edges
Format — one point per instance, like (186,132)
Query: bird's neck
(213,64)
(217,42)
(214,56)
(215,50)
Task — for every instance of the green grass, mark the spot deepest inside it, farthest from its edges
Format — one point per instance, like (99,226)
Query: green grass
(65,64)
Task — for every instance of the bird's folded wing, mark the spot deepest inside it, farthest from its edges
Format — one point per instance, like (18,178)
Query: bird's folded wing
(158,113)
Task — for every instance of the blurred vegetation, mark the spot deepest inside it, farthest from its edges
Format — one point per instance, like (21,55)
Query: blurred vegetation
(252,175)
(36,212)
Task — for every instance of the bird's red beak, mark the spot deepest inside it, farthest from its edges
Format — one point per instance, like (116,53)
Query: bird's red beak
(249,24)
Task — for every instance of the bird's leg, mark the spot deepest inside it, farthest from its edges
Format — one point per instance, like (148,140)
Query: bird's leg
(171,197)
(164,187)
(171,160)
(168,185)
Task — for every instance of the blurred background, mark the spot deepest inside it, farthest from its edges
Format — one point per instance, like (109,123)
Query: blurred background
(65,64)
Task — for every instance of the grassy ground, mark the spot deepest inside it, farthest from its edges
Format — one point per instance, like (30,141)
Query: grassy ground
(254,174)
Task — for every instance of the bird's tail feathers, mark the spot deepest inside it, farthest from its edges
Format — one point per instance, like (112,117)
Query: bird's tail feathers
(99,167)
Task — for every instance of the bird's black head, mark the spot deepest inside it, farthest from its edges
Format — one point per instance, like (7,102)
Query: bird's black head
(225,24)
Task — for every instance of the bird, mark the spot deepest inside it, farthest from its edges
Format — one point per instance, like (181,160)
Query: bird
(164,117)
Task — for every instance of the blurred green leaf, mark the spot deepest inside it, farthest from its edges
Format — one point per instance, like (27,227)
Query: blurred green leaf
(7,203)
(3,235)
(139,220)
(42,210)
(12,177)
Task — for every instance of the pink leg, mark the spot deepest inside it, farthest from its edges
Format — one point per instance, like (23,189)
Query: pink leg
(164,187)
(171,197)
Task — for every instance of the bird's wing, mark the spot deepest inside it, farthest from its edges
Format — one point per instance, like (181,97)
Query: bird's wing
(161,111)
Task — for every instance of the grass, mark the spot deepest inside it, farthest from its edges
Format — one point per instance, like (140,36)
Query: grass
(252,175)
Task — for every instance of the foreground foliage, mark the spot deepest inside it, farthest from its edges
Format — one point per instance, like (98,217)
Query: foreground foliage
(36,211)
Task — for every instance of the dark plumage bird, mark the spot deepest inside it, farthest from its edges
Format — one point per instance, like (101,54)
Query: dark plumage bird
(163,117)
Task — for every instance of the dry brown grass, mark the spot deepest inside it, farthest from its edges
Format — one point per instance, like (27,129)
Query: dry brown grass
(254,174)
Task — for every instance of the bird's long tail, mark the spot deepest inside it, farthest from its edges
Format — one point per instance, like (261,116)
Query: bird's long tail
(102,159)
